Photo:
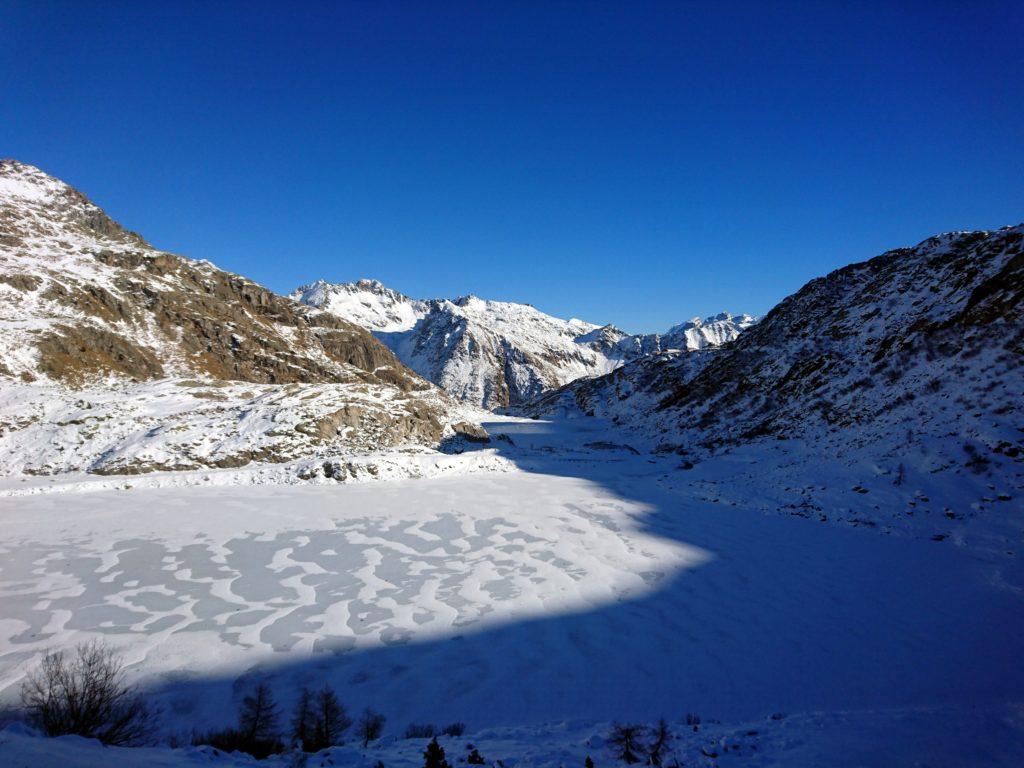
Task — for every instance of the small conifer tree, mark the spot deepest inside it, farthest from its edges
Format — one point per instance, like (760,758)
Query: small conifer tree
(434,756)
(626,742)
(659,744)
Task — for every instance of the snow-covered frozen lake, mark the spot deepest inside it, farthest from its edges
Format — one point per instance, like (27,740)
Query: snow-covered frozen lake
(576,588)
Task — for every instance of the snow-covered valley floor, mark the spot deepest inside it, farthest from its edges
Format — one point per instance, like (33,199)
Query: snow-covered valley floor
(589,585)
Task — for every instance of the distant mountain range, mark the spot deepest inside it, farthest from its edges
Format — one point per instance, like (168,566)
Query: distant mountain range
(493,353)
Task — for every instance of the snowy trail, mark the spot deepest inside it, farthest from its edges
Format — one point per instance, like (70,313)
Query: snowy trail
(576,588)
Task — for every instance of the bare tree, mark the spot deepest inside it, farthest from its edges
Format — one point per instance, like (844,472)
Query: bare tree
(626,742)
(86,695)
(370,726)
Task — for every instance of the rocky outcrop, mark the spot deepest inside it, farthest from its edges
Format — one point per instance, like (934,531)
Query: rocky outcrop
(79,354)
(34,204)
(474,433)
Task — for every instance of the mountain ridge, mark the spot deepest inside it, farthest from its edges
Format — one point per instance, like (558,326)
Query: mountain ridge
(495,353)
(88,307)
(909,322)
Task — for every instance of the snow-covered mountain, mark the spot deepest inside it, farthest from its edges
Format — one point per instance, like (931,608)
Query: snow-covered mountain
(887,394)
(94,323)
(494,353)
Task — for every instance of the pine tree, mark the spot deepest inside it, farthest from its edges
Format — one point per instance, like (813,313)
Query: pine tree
(257,720)
(330,719)
(625,739)
(434,756)
(304,722)
(588,763)
(475,758)
(659,746)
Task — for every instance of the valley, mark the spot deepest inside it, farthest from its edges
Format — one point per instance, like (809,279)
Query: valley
(788,536)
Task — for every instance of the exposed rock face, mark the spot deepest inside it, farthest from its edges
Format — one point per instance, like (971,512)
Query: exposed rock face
(34,204)
(85,303)
(493,353)
(918,344)
(77,354)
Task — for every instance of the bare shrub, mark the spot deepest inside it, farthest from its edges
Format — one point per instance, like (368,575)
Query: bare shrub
(454,729)
(901,475)
(425,731)
(370,726)
(85,694)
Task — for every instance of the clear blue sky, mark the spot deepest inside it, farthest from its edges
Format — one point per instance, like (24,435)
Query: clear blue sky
(634,163)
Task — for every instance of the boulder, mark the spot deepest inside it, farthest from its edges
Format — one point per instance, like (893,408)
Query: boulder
(474,433)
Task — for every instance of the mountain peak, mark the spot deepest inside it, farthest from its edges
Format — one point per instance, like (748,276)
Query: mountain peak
(365,284)
(36,205)
(23,182)
(497,353)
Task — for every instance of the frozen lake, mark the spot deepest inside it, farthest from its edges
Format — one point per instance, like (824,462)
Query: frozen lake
(574,588)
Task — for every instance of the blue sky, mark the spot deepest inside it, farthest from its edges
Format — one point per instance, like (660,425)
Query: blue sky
(635,163)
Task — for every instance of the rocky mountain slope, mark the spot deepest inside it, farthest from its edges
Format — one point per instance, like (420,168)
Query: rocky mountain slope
(915,352)
(494,353)
(905,369)
(87,308)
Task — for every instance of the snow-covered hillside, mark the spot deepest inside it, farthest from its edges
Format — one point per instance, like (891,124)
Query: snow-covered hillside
(910,363)
(988,737)
(115,356)
(494,353)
